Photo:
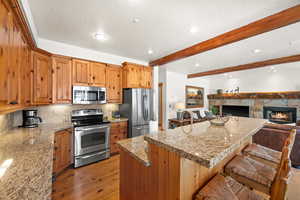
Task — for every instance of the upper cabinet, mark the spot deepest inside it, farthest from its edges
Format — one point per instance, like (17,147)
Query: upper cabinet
(98,74)
(81,72)
(62,79)
(4,53)
(136,76)
(15,70)
(42,78)
(146,77)
(114,84)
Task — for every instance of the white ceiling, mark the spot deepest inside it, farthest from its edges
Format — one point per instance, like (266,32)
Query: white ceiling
(164,27)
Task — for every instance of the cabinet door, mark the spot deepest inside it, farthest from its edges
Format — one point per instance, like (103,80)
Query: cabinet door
(146,77)
(114,84)
(133,76)
(62,155)
(27,72)
(4,52)
(14,96)
(42,78)
(98,74)
(62,80)
(81,72)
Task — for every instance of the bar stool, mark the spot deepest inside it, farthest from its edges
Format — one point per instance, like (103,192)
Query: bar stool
(263,154)
(226,188)
(260,176)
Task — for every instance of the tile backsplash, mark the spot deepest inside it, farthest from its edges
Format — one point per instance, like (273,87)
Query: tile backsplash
(52,114)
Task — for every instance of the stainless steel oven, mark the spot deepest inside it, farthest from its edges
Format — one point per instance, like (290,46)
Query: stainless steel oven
(89,95)
(91,137)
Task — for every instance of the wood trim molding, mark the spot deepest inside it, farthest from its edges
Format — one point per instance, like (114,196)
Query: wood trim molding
(281,19)
(257,95)
(22,21)
(275,61)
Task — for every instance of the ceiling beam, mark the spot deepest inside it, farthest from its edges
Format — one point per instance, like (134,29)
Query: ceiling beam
(276,61)
(281,19)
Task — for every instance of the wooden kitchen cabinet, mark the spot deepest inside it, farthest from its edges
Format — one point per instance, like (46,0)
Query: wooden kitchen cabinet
(118,132)
(4,53)
(27,76)
(136,76)
(98,74)
(62,154)
(81,72)
(114,84)
(146,77)
(62,79)
(42,67)
(14,62)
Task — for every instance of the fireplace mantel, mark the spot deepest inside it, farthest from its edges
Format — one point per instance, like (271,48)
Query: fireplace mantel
(257,95)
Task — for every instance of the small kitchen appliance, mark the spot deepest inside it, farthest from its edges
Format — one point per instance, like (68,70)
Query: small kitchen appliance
(31,119)
(91,136)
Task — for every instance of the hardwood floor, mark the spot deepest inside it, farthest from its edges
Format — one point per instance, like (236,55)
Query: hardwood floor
(95,181)
(101,181)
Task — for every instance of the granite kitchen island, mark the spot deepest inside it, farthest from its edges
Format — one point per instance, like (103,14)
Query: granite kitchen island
(174,164)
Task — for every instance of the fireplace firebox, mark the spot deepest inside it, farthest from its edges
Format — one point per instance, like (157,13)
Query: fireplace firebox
(281,115)
(241,111)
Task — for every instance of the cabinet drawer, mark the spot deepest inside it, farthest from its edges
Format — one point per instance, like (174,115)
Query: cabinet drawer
(118,131)
(119,124)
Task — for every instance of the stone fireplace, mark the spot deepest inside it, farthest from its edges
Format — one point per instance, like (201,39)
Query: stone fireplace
(258,101)
(280,115)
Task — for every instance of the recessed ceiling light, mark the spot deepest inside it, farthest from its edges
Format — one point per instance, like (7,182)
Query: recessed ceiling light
(197,65)
(225,74)
(272,68)
(275,70)
(194,29)
(135,20)
(100,36)
(257,50)
(150,51)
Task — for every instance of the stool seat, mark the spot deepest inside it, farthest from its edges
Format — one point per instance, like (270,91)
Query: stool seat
(226,188)
(263,154)
(252,173)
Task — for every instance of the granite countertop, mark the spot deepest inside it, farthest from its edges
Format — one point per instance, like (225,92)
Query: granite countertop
(26,157)
(137,147)
(207,144)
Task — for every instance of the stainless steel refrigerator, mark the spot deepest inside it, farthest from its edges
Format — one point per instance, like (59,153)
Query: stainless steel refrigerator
(138,108)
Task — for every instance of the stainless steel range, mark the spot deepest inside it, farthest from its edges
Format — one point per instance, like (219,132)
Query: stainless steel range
(91,136)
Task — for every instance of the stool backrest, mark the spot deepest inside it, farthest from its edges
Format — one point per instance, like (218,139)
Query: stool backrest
(280,184)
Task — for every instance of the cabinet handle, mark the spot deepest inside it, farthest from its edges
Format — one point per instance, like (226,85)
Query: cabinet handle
(13,102)
(55,148)
(1,51)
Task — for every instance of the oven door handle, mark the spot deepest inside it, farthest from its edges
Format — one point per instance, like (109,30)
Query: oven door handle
(94,128)
(95,154)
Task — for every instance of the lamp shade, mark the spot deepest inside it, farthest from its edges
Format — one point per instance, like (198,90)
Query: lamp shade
(179,106)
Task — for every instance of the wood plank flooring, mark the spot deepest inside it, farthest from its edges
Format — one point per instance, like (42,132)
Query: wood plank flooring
(93,182)
(100,181)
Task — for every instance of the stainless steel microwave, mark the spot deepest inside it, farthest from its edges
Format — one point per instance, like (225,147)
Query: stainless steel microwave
(89,95)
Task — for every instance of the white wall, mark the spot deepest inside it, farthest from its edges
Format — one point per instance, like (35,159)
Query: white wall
(286,78)
(78,52)
(174,91)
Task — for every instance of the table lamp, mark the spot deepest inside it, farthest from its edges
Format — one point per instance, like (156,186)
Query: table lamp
(179,108)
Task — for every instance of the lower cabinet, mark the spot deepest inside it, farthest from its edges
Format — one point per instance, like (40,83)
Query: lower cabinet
(118,132)
(62,154)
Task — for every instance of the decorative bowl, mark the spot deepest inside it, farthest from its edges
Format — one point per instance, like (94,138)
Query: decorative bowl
(219,121)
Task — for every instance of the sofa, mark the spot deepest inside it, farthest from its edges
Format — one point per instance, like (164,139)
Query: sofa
(274,135)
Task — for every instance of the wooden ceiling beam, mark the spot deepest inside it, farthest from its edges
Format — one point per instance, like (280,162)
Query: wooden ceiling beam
(278,20)
(276,61)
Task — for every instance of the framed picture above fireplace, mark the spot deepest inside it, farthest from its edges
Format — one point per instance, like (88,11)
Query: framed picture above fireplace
(194,97)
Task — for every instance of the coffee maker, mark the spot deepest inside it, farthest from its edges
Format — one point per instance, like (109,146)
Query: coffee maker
(30,119)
